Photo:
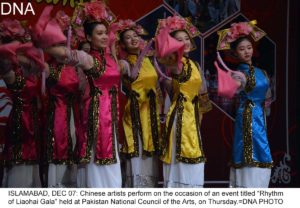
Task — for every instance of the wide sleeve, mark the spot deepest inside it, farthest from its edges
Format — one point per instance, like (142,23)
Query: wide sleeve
(204,101)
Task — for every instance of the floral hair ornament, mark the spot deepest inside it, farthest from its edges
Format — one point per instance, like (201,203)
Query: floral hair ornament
(75,36)
(176,23)
(12,29)
(94,11)
(128,24)
(237,30)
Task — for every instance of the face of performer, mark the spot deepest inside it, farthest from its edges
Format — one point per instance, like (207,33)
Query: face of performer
(182,36)
(99,37)
(244,51)
(131,41)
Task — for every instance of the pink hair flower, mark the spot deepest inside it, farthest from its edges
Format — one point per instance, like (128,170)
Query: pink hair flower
(12,28)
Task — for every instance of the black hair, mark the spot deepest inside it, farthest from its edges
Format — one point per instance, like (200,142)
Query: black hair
(235,43)
(174,33)
(6,39)
(90,26)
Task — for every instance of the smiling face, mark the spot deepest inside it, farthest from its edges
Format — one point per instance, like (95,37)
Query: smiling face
(244,51)
(182,36)
(99,37)
(131,41)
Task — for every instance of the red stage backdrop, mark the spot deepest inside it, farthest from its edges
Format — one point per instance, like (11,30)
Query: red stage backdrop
(276,53)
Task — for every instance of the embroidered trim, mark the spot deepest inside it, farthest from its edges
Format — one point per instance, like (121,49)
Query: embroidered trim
(167,132)
(107,161)
(198,125)
(154,120)
(126,84)
(247,132)
(185,75)
(99,66)
(251,82)
(50,135)
(114,115)
(16,115)
(179,113)
(54,76)
(93,122)
(253,164)
(204,103)
(247,139)
(19,83)
(50,126)
(178,109)
(17,124)
(136,123)
(114,111)
(35,119)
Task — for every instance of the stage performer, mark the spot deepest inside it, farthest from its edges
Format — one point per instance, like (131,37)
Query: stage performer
(251,156)
(141,114)
(62,120)
(182,149)
(97,144)
(19,64)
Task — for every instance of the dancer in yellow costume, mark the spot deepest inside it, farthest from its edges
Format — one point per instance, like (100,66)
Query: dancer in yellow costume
(141,115)
(182,149)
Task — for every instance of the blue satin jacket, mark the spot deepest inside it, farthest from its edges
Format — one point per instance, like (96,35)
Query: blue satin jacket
(250,145)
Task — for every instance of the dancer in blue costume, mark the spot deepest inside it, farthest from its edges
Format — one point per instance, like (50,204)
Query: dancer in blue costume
(251,157)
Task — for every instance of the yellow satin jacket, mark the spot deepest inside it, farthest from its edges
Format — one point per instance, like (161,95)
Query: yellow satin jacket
(184,117)
(141,115)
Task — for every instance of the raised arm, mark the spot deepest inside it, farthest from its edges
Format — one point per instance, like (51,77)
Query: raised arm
(76,58)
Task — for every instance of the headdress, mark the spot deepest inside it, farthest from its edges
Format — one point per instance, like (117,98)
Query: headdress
(116,28)
(238,30)
(94,11)
(75,33)
(227,86)
(128,24)
(175,23)
(165,44)
(14,30)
